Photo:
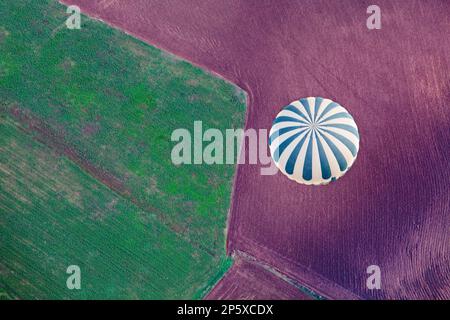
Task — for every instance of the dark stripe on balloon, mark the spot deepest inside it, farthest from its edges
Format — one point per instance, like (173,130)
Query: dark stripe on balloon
(294,109)
(305,104)
(307,167)
(282,131)
(337,154)
(285,119)
(346,127)
(339,115)
(324,165)
(328,108)
(290,164)
(348,143)
(316,107)
(284,145)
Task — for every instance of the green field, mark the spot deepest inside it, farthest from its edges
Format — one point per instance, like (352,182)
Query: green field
(86,176)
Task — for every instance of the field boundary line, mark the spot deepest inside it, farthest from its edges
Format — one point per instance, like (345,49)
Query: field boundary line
(292,271)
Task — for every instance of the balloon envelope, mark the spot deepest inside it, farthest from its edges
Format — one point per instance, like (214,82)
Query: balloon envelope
(314,140)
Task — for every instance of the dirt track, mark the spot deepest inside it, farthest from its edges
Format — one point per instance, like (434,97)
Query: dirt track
(248,281)
(54,140)
(392,208)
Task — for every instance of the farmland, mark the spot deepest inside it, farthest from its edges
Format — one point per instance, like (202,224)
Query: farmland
(85,171)
(392,208)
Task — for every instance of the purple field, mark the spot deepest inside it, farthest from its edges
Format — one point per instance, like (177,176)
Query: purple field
(392,209)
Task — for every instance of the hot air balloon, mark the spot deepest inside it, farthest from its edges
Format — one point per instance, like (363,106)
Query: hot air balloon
(314,141)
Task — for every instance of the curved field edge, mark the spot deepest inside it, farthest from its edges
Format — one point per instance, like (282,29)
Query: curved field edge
(52,212)
(305,287)
(68,90)
(242,65)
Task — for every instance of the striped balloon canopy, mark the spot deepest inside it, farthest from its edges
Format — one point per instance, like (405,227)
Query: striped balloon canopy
(314,141)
